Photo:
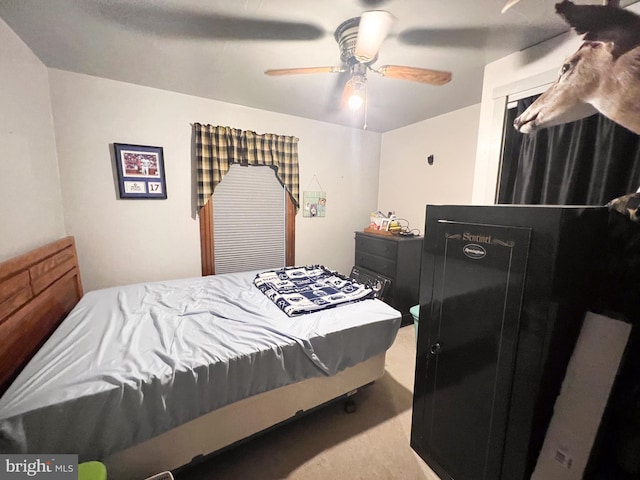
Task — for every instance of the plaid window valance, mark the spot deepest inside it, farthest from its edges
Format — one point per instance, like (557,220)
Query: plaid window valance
(219,147)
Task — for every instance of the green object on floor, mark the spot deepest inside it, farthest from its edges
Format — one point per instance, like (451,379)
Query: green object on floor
(92,471)
(415,313)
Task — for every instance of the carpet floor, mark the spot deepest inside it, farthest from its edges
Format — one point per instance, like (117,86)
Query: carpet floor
(372,443)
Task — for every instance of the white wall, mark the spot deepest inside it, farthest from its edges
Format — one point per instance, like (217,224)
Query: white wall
(129,241)
(408,183)
(513,74)
(30,198)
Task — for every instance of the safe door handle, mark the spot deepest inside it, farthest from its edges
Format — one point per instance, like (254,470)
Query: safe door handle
(435,348)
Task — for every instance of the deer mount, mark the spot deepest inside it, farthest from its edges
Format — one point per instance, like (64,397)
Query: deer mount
(603,75)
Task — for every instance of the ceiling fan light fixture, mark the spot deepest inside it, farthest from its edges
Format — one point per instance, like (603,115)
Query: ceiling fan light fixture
(357,88)
(373,29)
(346,35)
(356,101)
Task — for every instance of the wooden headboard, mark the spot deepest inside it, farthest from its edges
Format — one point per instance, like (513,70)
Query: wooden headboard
(37,290)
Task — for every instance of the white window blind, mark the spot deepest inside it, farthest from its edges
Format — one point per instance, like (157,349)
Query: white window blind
(249,220)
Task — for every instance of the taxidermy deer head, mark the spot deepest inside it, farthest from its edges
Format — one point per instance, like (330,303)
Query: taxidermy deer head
(602,76)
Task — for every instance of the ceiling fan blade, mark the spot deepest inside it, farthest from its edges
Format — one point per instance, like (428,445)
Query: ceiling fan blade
(373,29)
(183,22)
(476,37)
(372,3)
(423,75)
(296,71)
(509,4)
(499,39)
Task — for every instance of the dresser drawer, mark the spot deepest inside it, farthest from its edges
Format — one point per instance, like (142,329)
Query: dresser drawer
(376,246)
(376,263)
(398,259)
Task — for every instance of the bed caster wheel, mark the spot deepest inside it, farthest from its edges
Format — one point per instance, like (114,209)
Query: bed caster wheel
(350,406)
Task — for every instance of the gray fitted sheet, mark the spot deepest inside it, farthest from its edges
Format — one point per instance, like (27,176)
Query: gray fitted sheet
(131,362)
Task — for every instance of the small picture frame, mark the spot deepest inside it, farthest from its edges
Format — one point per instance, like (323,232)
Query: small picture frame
(315,204)
(384,225)
(140,171)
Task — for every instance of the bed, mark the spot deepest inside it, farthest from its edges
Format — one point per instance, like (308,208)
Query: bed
(148,377)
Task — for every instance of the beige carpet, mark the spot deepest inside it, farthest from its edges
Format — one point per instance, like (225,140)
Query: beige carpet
(372,443)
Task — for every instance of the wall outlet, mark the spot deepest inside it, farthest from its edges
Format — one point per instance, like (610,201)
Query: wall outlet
(562,457)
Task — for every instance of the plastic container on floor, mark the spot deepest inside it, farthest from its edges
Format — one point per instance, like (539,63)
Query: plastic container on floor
(415,313)
(92,471)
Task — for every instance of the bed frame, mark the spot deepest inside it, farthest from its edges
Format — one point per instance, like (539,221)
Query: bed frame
(238,421)
(38,289)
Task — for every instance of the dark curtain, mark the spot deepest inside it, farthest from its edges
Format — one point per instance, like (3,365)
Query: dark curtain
(591,162)
(587,162)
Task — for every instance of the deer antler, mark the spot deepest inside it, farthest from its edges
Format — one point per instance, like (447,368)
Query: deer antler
(610,3)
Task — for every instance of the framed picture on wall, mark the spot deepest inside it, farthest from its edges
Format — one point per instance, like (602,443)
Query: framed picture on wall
(314,204)
(140,171)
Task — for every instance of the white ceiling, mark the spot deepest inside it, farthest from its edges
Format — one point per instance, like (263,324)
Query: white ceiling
(219,49)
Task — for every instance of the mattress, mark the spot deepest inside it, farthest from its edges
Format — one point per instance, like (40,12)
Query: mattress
(132,362)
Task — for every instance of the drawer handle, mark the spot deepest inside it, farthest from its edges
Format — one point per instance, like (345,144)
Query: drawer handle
(435,348)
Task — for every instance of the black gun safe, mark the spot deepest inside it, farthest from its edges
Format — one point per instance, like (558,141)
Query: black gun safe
(503,292)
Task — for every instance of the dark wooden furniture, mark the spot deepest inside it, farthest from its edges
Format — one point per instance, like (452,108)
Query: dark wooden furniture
(398,259)
(503,293)
(37,290)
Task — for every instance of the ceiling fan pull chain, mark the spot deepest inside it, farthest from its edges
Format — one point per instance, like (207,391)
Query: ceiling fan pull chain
(366,106)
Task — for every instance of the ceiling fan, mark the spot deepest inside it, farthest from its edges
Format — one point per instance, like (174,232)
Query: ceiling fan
(359,40)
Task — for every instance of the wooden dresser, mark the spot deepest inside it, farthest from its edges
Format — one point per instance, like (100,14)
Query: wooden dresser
(397,258)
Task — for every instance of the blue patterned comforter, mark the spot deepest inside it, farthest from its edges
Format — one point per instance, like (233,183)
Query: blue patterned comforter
(300,290)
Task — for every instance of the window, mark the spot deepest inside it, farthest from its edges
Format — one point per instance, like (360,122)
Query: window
(207,234)
(218,148)
(249,219)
